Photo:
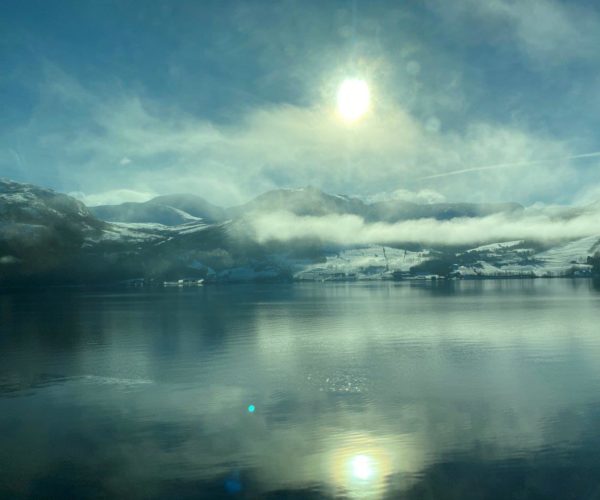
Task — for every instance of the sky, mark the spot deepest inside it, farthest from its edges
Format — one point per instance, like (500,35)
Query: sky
(471,101)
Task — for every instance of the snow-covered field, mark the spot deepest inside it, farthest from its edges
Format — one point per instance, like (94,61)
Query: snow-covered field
(506,260)
(495,260)
(148,232)
(376,262)
(372,262)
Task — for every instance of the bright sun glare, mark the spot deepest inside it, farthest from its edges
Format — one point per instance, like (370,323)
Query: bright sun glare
(353,99)
(362,467)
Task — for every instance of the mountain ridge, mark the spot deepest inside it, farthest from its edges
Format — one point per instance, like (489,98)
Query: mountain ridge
(48,237)
(307,201)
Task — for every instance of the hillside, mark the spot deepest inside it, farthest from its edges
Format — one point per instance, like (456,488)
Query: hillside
(48,237)
(169,210)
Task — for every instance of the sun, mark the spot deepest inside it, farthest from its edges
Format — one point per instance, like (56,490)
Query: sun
(353,99)
(362,467)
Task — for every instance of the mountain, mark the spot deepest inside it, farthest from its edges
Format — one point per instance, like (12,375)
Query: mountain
(395,211)
(177,209)
(310,201)
(141,213)
(306,201)
(193,205)
(39,229)
(169,210)
(29,204)
(48,237)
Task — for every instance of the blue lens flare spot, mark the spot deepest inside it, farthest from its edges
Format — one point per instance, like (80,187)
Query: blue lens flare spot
(251,408)
(233,486)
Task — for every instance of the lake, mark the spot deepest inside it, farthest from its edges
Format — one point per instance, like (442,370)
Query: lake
(473,389)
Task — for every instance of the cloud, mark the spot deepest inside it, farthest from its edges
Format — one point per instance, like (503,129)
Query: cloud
(282,145)
(588,195)
(353,230)
(236,114)
(546,30)
(113,197)
(512,165)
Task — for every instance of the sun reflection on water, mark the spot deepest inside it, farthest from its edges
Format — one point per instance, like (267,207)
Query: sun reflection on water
(360,468)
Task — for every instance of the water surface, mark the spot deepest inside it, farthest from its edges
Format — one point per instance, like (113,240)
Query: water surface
(364,390)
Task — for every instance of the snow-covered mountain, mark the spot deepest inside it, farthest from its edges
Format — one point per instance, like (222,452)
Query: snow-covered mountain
(50,237)
(303,201)
(393,211)
(47,236)
(40,229)
(169,210)
(176,209)
(29,204)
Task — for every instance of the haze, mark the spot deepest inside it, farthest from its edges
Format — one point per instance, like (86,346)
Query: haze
(115,102)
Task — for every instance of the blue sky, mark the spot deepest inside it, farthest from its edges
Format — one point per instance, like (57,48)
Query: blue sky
(123,100)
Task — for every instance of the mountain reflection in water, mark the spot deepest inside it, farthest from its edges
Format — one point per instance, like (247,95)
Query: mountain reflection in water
(456,390)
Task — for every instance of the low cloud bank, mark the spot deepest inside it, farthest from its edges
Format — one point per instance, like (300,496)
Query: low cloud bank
(353,230)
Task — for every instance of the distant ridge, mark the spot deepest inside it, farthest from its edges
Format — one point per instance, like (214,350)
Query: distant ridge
(177,209)
(51,238)
(169,210)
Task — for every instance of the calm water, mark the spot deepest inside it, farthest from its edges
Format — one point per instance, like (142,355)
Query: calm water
(464,390)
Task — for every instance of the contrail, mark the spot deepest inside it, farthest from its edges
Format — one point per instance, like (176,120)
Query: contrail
(510,165)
